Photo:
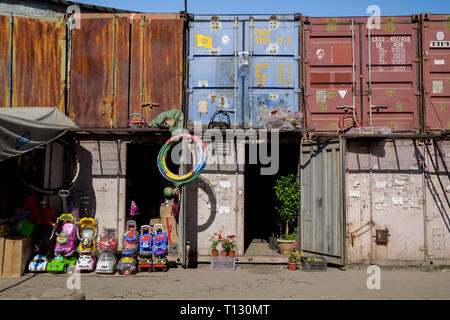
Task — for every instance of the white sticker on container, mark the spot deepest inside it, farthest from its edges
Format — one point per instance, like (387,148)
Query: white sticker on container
(321,96)
(438,86)
(225,39)
(380,184)
(202,106)
(225,184)
(442,61)
(354,194)
(399,182)
(224,210)
(320,53)
(202,83)
(342,93)
(379,199)
(397,200)
(440,35)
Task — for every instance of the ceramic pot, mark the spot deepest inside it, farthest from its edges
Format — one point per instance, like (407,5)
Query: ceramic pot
(286,246)
(214,253)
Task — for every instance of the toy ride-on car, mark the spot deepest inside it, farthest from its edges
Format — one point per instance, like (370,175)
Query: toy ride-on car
(38,264)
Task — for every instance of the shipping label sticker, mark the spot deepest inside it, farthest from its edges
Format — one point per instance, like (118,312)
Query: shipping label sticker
(397,200)
(202,83)
(224,210)
(202,106)
(332,94)
(380,184)
(321,96)
(379,199)
(225,184)
(439,62)
(440,35)
(354,194)
(438,86)
(320,54)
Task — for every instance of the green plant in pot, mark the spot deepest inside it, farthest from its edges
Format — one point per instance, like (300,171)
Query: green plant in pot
(216,239)
(287,193)
(293,261)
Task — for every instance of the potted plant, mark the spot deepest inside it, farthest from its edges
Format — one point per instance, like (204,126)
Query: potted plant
(293,261)
(231,245)
(214,244)
(287,192)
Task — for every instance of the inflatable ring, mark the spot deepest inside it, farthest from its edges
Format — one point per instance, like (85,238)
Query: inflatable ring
(192,174)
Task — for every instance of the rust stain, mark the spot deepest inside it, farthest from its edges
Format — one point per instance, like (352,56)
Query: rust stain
(91,75)
(38,65)
(4,61)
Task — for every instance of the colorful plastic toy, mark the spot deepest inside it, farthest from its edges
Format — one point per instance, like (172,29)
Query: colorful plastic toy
(127,264)
(159,248)
(107,245)
(65,230)
(87,248)
(145,249)
(38,264)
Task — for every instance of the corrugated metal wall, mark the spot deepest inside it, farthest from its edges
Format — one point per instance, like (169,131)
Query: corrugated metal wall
(386,185)
(246,64)
(346,64)
(436,71)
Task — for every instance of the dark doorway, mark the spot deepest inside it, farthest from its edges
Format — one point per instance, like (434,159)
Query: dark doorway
(260,220)
(145,185)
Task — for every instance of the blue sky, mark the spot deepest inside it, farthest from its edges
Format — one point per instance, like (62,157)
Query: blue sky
(307,7)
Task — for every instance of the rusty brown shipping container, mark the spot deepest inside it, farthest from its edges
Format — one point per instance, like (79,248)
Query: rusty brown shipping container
(120,62)
(373,74)
(436,71)
(33,62)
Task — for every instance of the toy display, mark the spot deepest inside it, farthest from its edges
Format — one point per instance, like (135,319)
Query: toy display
(65,230)
(87,248)
(127,264)
(159,248)
(107,245)
(145,249)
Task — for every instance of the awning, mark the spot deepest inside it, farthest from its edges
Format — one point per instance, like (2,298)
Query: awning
(23,129)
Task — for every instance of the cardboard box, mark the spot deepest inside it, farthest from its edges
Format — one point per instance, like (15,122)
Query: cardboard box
(165,211)
(2,249)
(17,255)
(173,227)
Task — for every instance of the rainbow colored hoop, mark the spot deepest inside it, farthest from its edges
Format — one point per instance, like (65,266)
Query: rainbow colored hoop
(191,175)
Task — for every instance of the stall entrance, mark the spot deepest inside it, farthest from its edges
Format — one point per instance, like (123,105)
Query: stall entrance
(261,220)
(145,185)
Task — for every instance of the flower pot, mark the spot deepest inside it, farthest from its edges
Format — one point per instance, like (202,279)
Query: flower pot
(214,253)
(292,266)
(223,253)
(231,254)
(286,246)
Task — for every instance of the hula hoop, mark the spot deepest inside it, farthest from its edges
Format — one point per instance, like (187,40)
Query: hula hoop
(192,174)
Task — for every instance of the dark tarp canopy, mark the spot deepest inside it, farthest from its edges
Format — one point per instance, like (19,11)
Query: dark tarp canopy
(23,129)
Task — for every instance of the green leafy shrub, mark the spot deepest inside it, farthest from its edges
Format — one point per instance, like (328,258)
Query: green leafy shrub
(287,193)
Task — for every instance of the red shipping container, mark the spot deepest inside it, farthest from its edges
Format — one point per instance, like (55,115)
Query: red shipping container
(436,71)
(339,76)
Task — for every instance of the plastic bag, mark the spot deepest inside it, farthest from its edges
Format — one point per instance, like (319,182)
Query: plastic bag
(278,118)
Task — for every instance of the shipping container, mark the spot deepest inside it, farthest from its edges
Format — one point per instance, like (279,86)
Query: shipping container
(436,71)
(119,63)
(245,64)
(33,68)
(354,70)
(397,211)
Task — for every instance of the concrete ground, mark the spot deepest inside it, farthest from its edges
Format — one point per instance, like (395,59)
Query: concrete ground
(247,282)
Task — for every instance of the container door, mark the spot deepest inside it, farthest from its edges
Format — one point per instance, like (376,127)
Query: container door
(242,61)
(321,221)
(391,74)
(436,71)
(214,71)
(331,71)
(272,43)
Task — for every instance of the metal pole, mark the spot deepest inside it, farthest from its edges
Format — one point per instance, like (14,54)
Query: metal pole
(250,69)
(370,77)
(353,72)
(235,25)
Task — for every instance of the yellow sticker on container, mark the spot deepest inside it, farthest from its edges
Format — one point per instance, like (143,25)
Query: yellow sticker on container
(203,41)
(399,106)
(323,107)
(390,93)
(442,107)
(332,94)
(331,28)
(389,27)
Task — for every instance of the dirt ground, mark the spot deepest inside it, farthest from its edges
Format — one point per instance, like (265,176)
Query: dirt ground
(247,282)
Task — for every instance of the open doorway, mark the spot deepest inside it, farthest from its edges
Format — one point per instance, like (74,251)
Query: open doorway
(260,219)
(145,185)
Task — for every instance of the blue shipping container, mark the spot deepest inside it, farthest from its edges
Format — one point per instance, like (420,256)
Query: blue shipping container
(227,53)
